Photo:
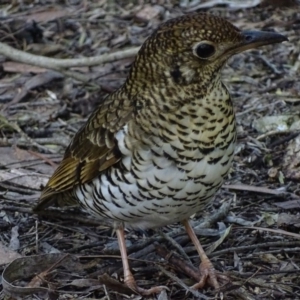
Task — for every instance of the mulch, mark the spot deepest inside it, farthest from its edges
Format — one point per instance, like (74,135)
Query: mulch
(251,232)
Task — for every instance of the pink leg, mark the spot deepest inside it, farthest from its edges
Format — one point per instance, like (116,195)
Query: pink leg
(128,277)
(206,267)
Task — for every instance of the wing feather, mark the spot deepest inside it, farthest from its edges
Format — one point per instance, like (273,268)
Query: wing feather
(92,150)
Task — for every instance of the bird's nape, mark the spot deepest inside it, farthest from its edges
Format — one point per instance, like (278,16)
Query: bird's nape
(191,49)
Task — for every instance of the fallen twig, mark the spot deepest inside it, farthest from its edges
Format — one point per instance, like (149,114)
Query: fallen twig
(56,63)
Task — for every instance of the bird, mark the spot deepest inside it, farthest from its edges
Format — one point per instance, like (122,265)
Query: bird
(157,149)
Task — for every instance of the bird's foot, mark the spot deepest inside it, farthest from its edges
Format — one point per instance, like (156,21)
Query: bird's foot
(131,283)
(210,276)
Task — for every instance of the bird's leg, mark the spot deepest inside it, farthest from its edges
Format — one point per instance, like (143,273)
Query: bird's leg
(206,268)
(128,277)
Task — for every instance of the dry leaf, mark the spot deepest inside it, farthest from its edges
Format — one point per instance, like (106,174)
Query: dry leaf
(7,255)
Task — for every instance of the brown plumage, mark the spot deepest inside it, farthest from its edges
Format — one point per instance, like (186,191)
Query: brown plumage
(156,150)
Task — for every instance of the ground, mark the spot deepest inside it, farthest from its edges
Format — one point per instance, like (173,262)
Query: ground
(251,232)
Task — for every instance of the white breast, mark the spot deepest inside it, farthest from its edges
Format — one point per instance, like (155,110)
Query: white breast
(147,190)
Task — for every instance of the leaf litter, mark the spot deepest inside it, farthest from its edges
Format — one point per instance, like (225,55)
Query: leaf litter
(67,255)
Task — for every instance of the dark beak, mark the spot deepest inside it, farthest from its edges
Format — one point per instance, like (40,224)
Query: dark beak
(254,39)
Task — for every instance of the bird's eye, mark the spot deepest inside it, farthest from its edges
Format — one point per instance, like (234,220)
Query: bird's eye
(204,50)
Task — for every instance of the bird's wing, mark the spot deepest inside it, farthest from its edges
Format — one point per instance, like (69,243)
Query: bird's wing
(92,150)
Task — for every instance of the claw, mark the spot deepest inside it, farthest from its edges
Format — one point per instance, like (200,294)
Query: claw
(128,277)
(131,283)
(208,272)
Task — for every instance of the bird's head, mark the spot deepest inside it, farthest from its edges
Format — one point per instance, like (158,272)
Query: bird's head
(192,49)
